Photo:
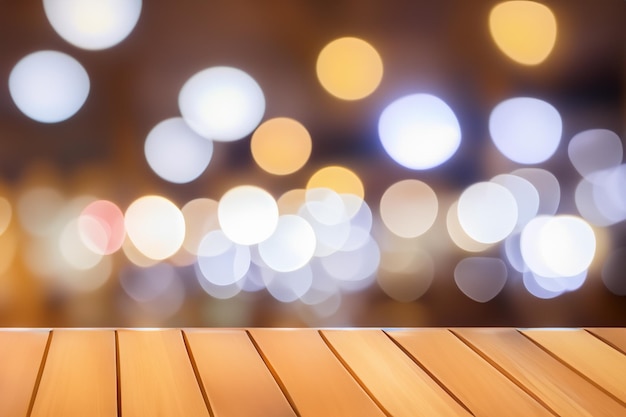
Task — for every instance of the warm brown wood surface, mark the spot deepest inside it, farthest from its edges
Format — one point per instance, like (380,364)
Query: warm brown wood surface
(309,372)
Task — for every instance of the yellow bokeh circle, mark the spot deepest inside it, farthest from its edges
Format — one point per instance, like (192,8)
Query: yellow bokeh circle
(281,146)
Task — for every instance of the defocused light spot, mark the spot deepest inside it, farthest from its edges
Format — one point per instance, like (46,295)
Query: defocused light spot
(524,30)
(101,227)
(217,291)
(409,208)
(247,214)
(93,24)
(608,192)
(487,212)
(419,131)
(281,146)
(155,226)
(513,252)
(558,246)
(329,236)
(6,213)
(349,68)
(412,282)
(533,287)
(145,284)
(525,193)
(458,235)
(221,261)
(561,284)
(222,103)
(339,179)
(613,271)
(74,251)
(353,267)
(38,208)
(49,86)
(322,287)
(86,280)
(360,224)
(175,152)
(481,279)
(546,185)
(525,130)
(587,197)
(291,201)
(288,286)
(326,206)
(200,218)
(136,257)
(594,150)
(291,246)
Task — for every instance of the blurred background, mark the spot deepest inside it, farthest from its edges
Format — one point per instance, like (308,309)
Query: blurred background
(312,163)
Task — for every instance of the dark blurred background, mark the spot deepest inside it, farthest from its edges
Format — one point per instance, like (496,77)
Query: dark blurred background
(442,48)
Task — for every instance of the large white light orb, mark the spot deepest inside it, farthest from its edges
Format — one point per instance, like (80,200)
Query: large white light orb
(222,103)
(175,152)
(247,214)
(93,24)
(419,131)
(291,246)
(525,130)
(49,86)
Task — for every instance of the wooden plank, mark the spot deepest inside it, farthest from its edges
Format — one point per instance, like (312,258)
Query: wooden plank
(156,375)
(477,384)
(21,355)
(236,380)
(554,384)
(614,336)
(400,386)
(593,358)
(79,376)
(315,381)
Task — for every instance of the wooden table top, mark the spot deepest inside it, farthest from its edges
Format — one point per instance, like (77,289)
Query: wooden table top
(313,372)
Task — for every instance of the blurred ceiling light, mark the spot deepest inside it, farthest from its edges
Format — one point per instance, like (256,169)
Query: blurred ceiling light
(481,279)
(349,68)
(487,212)
(281,146)
(419,131)
(101,227)
(222,103)
(93,24)
(155,226)
(525,130)
(524,30)
(595,150)
(558,246)
(291,246)
(48,86)
(175,152)
(409,208)
(247,214)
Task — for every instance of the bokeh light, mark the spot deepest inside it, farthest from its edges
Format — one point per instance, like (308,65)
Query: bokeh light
(101,227)
(558,246)
(349,68)
(460,238)
(524,30)
(49,86)
(339,179)
(221,261)
(281,146)
(354,270)
(288,286)
(38,208)
(479,278)
(411,281)
(200,218)
(74,251)
(175,152)
(546,184)
(155,226)
(93,24)
(525,193)
(6,214)
(222,103)
(487,212)
(291,246)
(613,271)
(291,201)
(595,150)
(247,214)
(409,208)
(525,130)
(419,131)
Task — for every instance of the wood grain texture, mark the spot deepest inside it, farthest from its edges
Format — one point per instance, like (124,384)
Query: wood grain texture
(313,377)
(79,377)
(590,356)
(21,353)
(156,376)
(400,386)
(614,336)
(236,380)
(477,384)
(554,384)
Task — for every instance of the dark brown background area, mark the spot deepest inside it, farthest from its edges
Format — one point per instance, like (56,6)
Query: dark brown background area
(443,48)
